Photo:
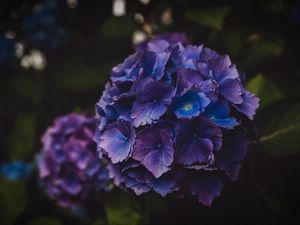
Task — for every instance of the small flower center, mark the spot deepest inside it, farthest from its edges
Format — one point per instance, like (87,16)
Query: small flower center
(188,106)
(158,145)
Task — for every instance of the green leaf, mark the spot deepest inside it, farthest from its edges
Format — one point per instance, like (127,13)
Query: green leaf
(265,89)
(122,216)
(211,17)
(75,76)
(13,200)
(124,210)
(45,221)
(99,222)
(276,6)
(118,27)
(262,49)
(23,137)
(233,41)
(28,86)
(10,103)
(280,128)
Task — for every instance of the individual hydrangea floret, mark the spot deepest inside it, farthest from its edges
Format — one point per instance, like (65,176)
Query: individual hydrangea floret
(171,119)
(219,113)
(154,149)
(69,168)
(117,140)
(191,104)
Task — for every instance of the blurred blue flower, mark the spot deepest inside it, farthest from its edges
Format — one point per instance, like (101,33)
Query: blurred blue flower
(43,29)
(16,171)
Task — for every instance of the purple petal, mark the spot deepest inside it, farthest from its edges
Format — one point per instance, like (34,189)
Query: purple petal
(154,149)
(158,45)
(127,70)
(71,184)
(219,112)
(196,140)
(222,68)
(163,185)
(151,102)
(229,122)
(145,114)
(208,54)
(191,52)
(123,107)
(78,153)
(174,38)
(186,79)
(249,105)
(158,162)
(154,63)
(231,90)
(197,151)
(232,154)
(209,87)
(206,189)
(117,140)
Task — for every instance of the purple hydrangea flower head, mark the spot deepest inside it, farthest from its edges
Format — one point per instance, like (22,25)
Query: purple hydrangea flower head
(69,168)
(171,120)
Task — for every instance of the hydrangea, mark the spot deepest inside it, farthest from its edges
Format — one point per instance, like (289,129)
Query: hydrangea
(171,120)
(69,168)
(42,27)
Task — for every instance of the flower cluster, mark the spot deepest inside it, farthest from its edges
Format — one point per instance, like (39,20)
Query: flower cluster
(171,119)
(42,27)
(69,168)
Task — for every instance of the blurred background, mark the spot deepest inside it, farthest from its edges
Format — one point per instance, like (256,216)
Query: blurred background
(56,55)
